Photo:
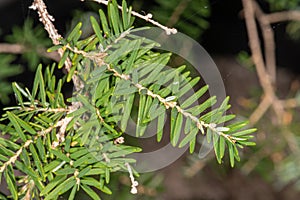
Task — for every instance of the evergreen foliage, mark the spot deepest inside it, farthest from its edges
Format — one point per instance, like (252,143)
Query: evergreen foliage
(51,147)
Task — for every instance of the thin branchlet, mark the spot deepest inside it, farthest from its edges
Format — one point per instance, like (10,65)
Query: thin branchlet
(99,60)
(47,21)
(147,18)
(61,123)
(13,159)
(53,110)
(134,183)
(172,104)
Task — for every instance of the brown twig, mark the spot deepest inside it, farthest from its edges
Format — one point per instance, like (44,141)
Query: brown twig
(11,48)
(269,42)
(257,56)
(290,103)
(264,76)
(261,109)
(20,49)
(254,43)
(283,16)
(266,71)
(265,21)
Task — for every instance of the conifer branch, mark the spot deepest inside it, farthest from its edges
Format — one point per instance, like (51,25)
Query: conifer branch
(67,161)
(13,159)
(98,58)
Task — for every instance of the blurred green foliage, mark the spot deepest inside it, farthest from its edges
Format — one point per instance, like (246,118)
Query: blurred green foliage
(293,27)
(276,5)
(188,16)
(7,70)
(33,38)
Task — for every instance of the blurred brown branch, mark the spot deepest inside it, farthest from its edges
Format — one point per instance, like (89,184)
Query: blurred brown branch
(20,49)
(283,16)
(269,42)
(266,70)
(264,76)
(265,63)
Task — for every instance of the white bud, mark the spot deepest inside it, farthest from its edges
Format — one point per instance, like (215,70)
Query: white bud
(149,15)
(133,190)
(174,30)
(135,183)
